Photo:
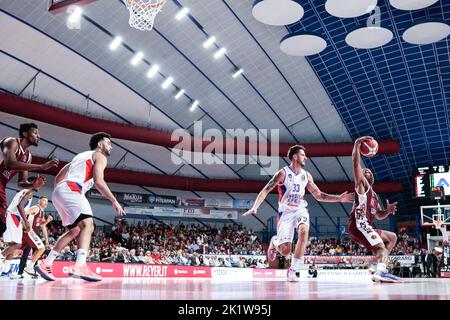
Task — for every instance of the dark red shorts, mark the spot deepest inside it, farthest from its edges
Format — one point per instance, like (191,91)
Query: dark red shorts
(364,234)
(31,239)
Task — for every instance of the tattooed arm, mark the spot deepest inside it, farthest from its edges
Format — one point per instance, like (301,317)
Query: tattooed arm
(276,180)
(325,197)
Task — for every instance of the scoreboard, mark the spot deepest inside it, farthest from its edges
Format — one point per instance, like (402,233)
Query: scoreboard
(426,178)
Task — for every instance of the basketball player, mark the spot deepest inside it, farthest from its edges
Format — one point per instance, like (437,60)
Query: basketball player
(17,224)
(292,181)
(15,157)
(71,184)
(366,207)
(31,240)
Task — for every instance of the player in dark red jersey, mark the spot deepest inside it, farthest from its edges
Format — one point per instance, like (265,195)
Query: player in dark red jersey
(365,208)
(31,240)
(16,158)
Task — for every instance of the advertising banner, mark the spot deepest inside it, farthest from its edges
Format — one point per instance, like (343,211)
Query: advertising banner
(199,202)
(243,204)
(183,212)
(129,270)
(219,203)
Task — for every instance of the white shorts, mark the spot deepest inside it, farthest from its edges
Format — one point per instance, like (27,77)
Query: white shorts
(70,204)
(14,228)
(288,222)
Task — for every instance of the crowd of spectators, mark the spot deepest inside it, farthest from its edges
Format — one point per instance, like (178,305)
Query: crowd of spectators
(199,245)
(181,244)
(405,245)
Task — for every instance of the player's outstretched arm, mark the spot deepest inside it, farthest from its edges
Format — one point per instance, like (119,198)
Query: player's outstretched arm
(20,207)
(99,181)
(277,179)
(325,197)
(356,158)
(391,208)
(11,163)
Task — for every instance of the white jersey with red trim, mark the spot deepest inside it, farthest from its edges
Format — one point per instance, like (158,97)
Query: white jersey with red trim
(292,191)
(13,206)
(80,176)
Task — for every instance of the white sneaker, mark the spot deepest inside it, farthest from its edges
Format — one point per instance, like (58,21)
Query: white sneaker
(292,275)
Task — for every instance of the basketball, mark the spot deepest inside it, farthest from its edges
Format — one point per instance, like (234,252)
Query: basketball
(369,148)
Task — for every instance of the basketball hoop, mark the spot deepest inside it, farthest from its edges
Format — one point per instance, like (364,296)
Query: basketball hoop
(439,224)
(143,12)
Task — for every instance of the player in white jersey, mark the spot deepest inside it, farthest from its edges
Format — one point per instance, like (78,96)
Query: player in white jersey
(292,212)
(17,223)
(72,182)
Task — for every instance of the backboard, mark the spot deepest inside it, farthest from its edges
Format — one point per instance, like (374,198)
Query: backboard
(57,6)
(431,213)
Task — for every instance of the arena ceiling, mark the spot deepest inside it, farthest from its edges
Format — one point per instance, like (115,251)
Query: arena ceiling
(399,91)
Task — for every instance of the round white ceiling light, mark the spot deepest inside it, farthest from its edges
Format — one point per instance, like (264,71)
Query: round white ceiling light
(412,4)
(426,32)
(277,12)
(302,44)
(369,37)
(349,8)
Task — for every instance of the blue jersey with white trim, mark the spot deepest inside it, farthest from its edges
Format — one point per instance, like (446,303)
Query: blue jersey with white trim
(292,191)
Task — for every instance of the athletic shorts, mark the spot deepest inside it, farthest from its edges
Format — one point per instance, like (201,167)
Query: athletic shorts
(288,222)
(14,229)
(70,203)
(363,233)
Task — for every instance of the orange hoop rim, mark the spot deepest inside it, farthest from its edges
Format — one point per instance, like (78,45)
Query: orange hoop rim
(146,6)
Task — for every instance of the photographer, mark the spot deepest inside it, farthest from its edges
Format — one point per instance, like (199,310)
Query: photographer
(312,271)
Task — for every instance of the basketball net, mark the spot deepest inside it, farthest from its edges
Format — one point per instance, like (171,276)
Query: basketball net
(143,12)
(439,224)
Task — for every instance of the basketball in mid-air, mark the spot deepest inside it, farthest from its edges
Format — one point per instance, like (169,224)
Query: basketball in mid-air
(369,148)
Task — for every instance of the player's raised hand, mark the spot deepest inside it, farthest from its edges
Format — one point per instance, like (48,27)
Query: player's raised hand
(362,139)
(249,212)
(391,207)
(50,164)
(116,205)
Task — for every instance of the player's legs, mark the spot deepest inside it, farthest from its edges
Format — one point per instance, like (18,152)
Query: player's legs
(363,233)
(7,255)
(32,240)
(282,242)
(44,267)
(23,259)
(300,248)
(80,270)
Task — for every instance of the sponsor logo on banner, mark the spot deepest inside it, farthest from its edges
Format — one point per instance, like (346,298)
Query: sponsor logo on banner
(219,203)
(129,270)
(169,200)
(222,214)
(355,260)
(403,260)
(243,204)
(94,194)
(183,212)
(191,202)
(132,197)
